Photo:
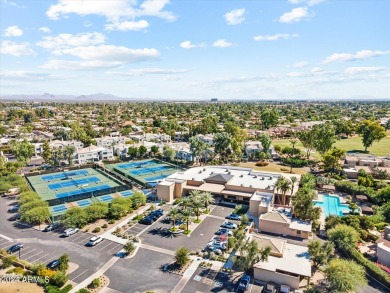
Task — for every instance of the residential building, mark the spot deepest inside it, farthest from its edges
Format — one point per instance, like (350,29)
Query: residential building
(287,264)
(208,138)
(93,154)
(383,248)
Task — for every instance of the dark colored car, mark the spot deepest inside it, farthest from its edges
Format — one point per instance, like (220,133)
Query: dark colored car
(51,227)
(53,264)
(224,231)
(243,285)
(158,212)
(147,221)
(15,217)
(15,248)
(13,209)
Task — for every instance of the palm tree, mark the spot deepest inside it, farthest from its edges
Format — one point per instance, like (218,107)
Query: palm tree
(185,202)
(284,187)
(207,199)
(174,216)
(196,203)
(293,181)
(187,216)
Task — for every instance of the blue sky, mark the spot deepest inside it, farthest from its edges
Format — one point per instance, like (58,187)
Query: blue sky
(191,49)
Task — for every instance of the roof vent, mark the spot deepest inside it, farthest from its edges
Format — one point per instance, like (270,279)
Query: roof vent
(242,175)
(270,178)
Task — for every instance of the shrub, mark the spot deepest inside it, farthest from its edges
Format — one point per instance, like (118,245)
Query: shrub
(182,256)
(105,226)
(8,261)
(262,164)
(59,279)
(16,270)
(112,221)
(83,290)
(129,247)
(96,230)
(94,284)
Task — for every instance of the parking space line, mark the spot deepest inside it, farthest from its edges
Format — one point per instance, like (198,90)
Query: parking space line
(105,246)
(77,237)
(79,274)
(115,247)
(30,251)
(40,258)
(33,255)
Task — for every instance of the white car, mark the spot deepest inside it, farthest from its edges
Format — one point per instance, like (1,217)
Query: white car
(70,231)
(95,240)
(229,225)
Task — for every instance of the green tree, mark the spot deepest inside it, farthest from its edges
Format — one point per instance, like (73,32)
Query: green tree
(64,262)
(320,254)
(174,216)
(75,217)
(142,151)
(303,206)
(97,210)
(353,207)
(22,150)
(331,159)
(343,236)
(182,256)
(344,276)
(197,148)
(187,217)
(154,150)
(266,141)
(221,144)
(169,153)
(269,118)
(370,131)
(68,153)
(250,254)
(138,199)
(132,151)
(307,138)
(196,203)
(46,151)
(36,215)
(207,198)
(283,185)
(59,279)
(129,247)
(293,180)
(325,137)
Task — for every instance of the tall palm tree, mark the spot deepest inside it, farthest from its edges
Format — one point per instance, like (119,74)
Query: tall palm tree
(197,204)
(187,216)
(207,199)
(174,214)
(185,202)
(293,181)
(284,187)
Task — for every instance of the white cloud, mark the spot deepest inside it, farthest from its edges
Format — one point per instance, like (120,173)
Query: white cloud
(111,10)
(221,43)
(62,41)
(308,2)
(296,74)
(104,56)
(300,64)
(146,71)
(317,69)
(12,31)
(235,16)
(189,45)
(275,37)
(16,49)
(357,70)
(31,75)
(127,25)
(45,30)
(360,55)
(295,15)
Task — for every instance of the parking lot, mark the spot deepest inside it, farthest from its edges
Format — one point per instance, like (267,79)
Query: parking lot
(208,280)
(142,273)
(46,246)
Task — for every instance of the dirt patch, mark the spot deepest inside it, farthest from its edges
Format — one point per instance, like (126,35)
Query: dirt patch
(20,287)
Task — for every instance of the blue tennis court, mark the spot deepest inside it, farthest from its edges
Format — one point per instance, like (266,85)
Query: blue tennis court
(155,178)
(150,170)
(73,182)
(106,198)
(127,193)
(83,203)
(136,164)
(59,208)
(64,175)
(88,189)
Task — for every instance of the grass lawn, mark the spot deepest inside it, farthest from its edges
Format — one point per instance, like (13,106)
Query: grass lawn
(272,167)
(381,148)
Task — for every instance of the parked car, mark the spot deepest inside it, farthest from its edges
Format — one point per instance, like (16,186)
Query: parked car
(229,225)
(53,264)
(147,221)
(13,209)
(224,231)
(15,217)
(158,212)
(70,231)
(94,240)
(244,283)
(233,217)
(51,227)
(14,248)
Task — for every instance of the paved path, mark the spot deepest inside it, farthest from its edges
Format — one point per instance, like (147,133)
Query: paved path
(157,249)
(186,277)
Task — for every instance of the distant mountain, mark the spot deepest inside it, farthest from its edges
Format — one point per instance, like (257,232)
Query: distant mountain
(57,98)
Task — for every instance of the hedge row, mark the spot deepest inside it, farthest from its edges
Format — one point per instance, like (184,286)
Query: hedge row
(372,269)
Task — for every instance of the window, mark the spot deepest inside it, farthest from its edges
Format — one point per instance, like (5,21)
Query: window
(299,232)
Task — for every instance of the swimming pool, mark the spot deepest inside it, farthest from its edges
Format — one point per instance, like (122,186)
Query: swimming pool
(331,205)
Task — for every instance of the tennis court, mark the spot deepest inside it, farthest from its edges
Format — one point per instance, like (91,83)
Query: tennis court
(145,171)
(105,198)
(84,203)
(73,182)
(59,208)
(63,175)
